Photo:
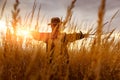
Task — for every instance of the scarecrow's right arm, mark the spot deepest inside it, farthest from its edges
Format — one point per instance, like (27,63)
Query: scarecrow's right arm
(40,36)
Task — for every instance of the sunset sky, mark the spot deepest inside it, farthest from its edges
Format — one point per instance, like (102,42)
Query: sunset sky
(85,11)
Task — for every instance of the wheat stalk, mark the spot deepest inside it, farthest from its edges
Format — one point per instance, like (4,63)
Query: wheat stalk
(101,13)
(37,20)
(68,13)
(2,11)
(15,15)
(112,19)
(33,11)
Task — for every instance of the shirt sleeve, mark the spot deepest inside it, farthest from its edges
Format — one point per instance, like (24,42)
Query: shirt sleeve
(40,36)
(74,36)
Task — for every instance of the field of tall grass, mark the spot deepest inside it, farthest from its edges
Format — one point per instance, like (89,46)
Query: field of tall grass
(23,58)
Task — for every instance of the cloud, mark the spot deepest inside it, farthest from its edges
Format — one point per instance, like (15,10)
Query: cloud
(87,10)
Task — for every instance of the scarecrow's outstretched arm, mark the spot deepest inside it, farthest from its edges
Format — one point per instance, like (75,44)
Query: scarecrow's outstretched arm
(74,36)
(40,36)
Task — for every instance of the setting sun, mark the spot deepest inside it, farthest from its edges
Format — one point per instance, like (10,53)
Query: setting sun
(20,32)
(23,32)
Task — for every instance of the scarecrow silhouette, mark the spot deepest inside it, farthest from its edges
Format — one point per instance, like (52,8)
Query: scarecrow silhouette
(56,47)
(56,42)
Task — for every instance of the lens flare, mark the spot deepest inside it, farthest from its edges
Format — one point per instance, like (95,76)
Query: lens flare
(23,33)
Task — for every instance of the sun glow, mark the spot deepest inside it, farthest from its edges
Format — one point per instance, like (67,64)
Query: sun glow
(2,26)
(23,33)
(26,34)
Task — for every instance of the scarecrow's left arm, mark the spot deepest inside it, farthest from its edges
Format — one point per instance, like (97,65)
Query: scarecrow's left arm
(74,36)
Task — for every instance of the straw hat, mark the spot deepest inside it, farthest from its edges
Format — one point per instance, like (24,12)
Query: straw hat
(55,20)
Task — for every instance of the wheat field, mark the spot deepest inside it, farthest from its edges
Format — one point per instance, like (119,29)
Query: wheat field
(100,60)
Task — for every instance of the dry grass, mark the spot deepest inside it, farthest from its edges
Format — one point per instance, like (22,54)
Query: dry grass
(3,8)
(100,62)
